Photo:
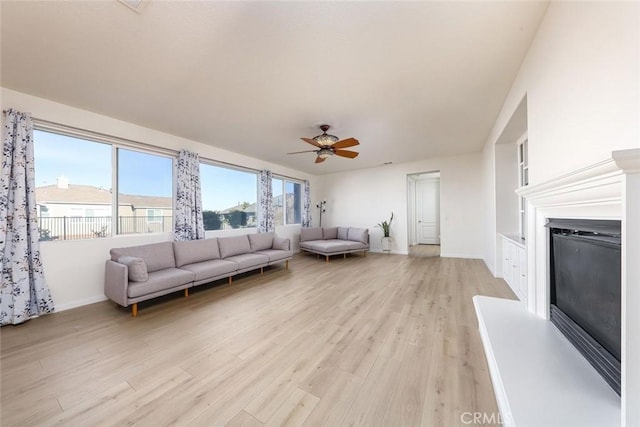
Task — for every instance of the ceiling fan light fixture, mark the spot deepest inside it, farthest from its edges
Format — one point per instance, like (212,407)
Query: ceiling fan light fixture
(325,139)
(324,153)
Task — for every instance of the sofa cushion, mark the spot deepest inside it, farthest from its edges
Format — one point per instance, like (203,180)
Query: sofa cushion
(307,234)
(236,245)
(275,254)
(260,241)
(358,235)
(330,233)
(210,269)
(343,233)
(192,251)
(159,281)
(281,243)
(325,246)
(355,246)
(246,261)
(136,267)
(157,256)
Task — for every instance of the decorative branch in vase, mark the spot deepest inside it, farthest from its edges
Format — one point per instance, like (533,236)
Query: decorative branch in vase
(386,230)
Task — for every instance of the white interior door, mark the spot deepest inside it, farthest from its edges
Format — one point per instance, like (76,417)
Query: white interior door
(428,211)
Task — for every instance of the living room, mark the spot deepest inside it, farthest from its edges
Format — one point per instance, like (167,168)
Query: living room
(574,64)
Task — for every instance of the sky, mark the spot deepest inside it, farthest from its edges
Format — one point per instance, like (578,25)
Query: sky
(89,163)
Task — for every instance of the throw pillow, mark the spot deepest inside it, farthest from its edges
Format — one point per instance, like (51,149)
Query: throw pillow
(137,268)
(260,241)
(358,235)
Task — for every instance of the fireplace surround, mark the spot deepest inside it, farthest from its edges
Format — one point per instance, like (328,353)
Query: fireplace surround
(608,190)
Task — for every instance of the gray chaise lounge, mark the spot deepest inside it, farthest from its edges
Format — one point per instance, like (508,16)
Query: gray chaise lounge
(330,241)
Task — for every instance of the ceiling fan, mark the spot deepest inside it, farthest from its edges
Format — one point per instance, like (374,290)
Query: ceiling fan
(328,145)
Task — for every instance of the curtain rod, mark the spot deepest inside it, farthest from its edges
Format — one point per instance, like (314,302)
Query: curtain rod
(49,123)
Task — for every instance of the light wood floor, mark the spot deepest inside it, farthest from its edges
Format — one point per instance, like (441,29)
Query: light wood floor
(424,251)
(386,340)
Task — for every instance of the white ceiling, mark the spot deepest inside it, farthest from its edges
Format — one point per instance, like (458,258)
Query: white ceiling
(410,80)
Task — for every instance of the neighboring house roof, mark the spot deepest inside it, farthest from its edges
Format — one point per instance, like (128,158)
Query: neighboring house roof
(90,195)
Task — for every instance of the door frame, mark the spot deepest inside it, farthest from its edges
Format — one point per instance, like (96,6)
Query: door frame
(412,178)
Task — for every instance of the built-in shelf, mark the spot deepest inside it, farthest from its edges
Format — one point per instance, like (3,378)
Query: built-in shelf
(539,378)
(515,238)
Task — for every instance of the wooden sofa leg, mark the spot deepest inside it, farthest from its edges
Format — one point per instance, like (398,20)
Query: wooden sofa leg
(326,258)
(345,256)
(186,292)
(134,309)
(365,254)
(261,270)
(286,265)
(230,279)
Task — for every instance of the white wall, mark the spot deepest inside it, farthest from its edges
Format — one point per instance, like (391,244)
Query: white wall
(74,270)
(580,77)
(364,198)
(488,207)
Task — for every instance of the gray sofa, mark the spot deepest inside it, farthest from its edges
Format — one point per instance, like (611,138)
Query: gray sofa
(139,273)
(330,241)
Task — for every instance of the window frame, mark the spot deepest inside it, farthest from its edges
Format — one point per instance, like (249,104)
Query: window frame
(115,143)
(237,168)
(284,180)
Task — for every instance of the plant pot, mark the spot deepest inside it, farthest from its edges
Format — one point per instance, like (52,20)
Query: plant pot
(386,244)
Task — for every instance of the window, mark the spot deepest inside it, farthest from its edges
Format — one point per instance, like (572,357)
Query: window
(287,202)
(73,176)
(229,197)
(145,187)
(74,179)
(523,180)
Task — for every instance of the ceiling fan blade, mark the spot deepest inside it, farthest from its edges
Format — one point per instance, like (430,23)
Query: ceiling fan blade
(320,159)
(307,151)
(312,142)
(346,143)
(346,153)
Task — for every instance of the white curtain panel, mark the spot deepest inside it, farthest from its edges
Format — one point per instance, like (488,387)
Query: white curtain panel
(265,203)
(306,206)
(24,292)
(188,222)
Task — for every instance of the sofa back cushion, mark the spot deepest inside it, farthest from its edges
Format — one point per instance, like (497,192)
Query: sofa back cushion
(314,233)
(358,235)
(330,233)
(260,241)
(192,251)
(343,233)
(236,245)
(157,256)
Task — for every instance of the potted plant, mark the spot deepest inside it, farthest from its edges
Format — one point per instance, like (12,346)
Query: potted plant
(386,230)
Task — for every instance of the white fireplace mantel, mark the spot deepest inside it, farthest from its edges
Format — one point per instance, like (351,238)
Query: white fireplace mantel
(606,190)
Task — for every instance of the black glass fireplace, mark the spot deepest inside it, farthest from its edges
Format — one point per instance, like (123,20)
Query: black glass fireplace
(585,257)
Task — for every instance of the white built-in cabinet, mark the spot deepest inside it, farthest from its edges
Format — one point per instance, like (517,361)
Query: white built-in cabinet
(514,265)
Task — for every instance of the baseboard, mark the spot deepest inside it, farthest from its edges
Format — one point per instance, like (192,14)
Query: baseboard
(465,256)
(80,302)
(392,252)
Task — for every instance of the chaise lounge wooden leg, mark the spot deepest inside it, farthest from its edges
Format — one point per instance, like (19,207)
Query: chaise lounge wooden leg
(230,279)
(286,265)
(261,270)
(134,309)
(186,292)
(326,258)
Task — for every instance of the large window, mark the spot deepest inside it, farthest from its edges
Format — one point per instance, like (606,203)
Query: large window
(145,188)
(229,197)
(287,202)
(74,180)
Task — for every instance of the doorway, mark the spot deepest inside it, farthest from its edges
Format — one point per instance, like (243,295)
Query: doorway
(424,214)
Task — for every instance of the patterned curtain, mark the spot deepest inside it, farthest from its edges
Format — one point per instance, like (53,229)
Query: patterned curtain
(265,203)
(188,224)
(24,292)
(306,206)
